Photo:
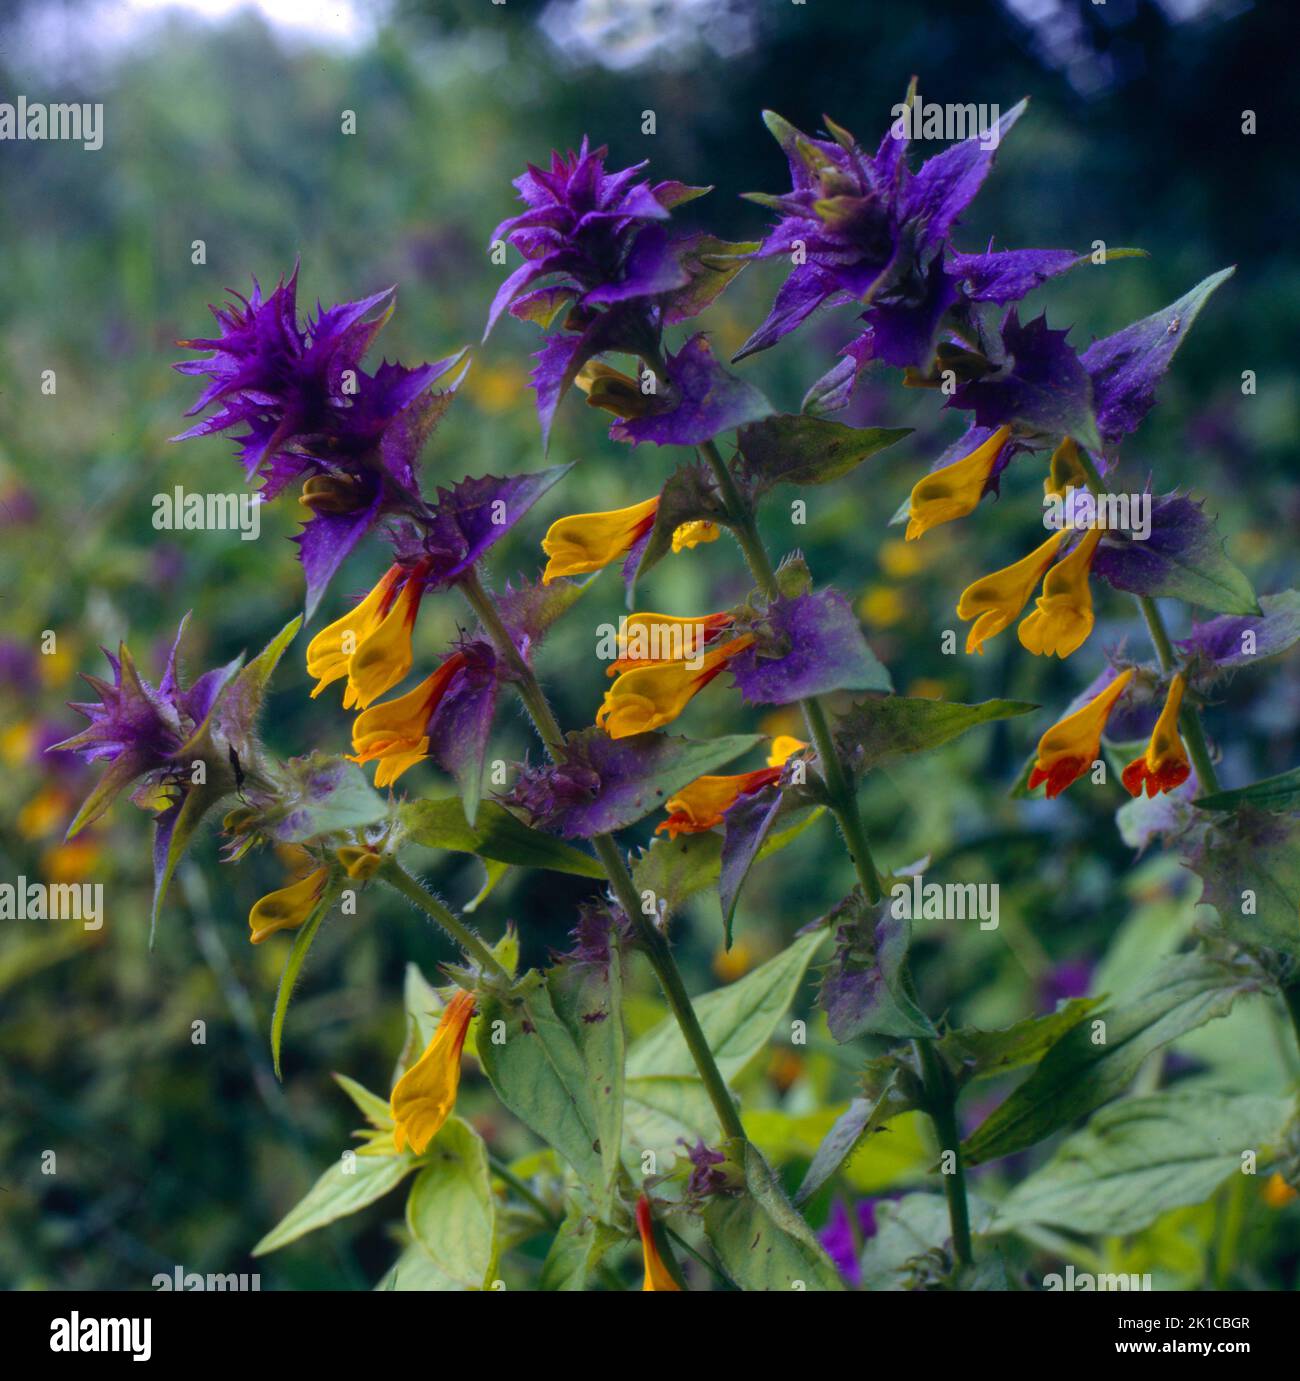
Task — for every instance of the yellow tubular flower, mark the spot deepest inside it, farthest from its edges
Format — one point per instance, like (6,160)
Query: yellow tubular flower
(422,1099)
(330,651)
(1070,747)
(996,599)
(647,640)
(397,732)
(649,697)
(1063,618)
(1066,469)
(702,804)
(288,908)
(589,541)
(690,535)
(383,657)
(954,491)
(1164,765)
(657,1274)
(612,390)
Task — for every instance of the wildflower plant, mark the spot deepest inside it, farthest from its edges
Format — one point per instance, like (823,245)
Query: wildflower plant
(649,1166)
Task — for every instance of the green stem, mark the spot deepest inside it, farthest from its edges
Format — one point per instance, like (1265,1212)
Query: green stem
(504,1173)
(651,938)
(1189,717)
(941,1103)
(842,798)
(401,881)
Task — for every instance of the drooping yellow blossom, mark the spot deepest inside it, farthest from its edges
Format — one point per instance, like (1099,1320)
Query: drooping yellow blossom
(956,489)
(360,862)
(1164,765)
(384,657)
(653,639)
(613,391)
(422,1099)
(996,599)
(590,541)
(397,732)
(330,652)
(689,535)
(1063,617)
(1066,469)
(1277,1193)
(1070,746)
(288,908)
(657,1274)
(648,697)
(702,804)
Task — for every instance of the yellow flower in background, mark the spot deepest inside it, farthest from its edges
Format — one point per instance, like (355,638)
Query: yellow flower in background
(657,1274)
(1070,747)
(332,649)
(57,667)
(288,908)
(17,742)
(396,733)
(497,388)
(883,606)
(898,560)
(590,541)
(71,862)
(689,535)
(1066,469)
(1277,1193)
(955,490)
(1063,617)
(996,599)
(45,813)
(731,964)
(701,805)
(1164,765)
(649,697)
(422,1099)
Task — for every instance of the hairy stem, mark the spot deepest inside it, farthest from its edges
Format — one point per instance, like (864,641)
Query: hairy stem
(651,938)
(413,890)
(843,800)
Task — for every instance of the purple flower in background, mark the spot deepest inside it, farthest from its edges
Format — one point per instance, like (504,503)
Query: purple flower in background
(842,1244)
(1064,980)
(862,227)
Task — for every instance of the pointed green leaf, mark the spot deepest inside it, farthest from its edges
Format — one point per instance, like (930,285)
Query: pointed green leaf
(451,1212)
(351,1183)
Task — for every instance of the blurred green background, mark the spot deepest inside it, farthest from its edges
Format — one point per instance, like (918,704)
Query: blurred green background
(171,1153)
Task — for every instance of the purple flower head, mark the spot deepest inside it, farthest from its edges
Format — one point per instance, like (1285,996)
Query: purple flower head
(599,924)
(705,1178)
(138,728)
(597,235)
(311,412)
(862,227)
(840,1241)
(467,520)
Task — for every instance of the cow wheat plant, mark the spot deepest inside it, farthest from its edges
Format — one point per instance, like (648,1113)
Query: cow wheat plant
(647,1172)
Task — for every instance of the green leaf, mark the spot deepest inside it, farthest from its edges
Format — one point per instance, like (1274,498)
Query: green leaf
(985,1054)
(761,1242)
(576,1251)
(1142,1157)
(676,869)
(1089,1065)
(415,1270)
(1250,863)
(689,495)
(737,1020)
(375,1109)
(495,835)
(321,794)
(450,1212)
(302,943)
(1280,794)
(796,448)
(907,1231)
(559,1067)
(887,725)
(348,1185)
